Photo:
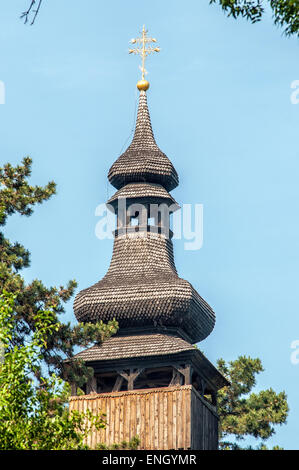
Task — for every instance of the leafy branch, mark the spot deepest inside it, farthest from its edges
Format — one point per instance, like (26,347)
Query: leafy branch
(31,12)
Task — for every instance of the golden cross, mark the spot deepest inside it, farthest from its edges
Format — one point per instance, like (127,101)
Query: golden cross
(143,48)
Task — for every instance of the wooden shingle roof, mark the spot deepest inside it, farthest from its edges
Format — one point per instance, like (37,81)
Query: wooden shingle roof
(143,160)
(151,191)
(164,348)
(142,288)
(120,347)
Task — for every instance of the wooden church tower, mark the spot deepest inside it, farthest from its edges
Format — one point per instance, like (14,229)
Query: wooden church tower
(149,379)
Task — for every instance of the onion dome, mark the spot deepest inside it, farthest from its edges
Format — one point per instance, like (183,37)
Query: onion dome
(142,289)
(143,161)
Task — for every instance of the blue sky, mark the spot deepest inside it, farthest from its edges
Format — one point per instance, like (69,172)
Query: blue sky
(221,110)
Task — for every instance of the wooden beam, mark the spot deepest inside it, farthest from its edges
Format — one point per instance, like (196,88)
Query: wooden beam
(214,398)
(73,389)
(118,383)
(131,377)
(186,371)
(203,386)
(176,378)
(91,386)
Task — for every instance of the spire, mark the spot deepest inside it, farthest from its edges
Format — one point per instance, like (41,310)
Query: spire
(142,289)
(143,135)
(143,161)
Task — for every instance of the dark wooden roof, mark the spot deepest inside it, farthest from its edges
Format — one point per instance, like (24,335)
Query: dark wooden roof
(120,347)
(143,160)
(146,349)
(142,288)
(151,191)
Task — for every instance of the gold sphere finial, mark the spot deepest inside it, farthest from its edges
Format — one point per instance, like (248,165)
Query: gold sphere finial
(143,85)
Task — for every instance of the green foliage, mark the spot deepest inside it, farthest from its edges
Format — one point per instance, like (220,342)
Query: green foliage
(33,341)
(285,12)
(251,9)
(82,334)
(245,413)
(18,196)
(286,15)
(34,415)
(124,445)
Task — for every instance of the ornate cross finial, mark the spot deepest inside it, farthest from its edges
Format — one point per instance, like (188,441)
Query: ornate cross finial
(144,48)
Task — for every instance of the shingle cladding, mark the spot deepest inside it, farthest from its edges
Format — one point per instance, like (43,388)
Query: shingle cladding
(145,345)
(160,347)
(143,160)
(153,191)
(142,287)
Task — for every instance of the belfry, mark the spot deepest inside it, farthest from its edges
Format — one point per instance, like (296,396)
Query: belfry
(149,379)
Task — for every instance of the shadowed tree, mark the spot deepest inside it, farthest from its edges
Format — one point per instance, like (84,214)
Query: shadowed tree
(244,413)
(18,196)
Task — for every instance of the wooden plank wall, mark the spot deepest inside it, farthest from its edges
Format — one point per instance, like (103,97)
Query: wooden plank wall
(162,418)
(204,424)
